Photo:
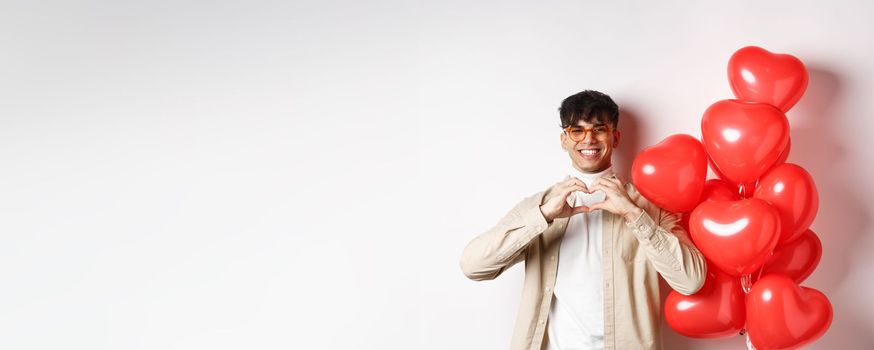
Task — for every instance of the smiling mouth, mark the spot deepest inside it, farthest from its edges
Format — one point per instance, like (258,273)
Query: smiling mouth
(590,153)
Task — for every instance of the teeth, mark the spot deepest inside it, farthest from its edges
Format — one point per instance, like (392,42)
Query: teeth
(589,152)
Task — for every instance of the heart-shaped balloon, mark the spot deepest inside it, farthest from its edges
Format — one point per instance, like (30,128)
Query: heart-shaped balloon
(783,315)
(719,190)
(790,189)
(785,155)
(743,139)
(671,173)
(744,190)
(738,237)
(714,190)
(717,310)
(757,75)
(796,259)
(749,188)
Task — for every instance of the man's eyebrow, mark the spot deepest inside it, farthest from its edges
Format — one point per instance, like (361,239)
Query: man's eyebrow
(594,125)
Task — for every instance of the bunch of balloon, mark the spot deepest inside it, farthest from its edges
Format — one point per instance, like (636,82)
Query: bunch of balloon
(752,223)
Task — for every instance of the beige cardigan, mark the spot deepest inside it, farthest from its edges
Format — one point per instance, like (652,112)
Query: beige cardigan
(634,255)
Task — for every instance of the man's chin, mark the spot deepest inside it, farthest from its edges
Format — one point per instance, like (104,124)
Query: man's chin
(587,168)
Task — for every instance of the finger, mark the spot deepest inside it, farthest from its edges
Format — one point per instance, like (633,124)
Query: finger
(615,179)
(619,189)
(562,191)
(582,184)
(570,180)
(580,209)
(607,180)
(572,188)
(598,186)
(607,183)
(560,186)
(561,182)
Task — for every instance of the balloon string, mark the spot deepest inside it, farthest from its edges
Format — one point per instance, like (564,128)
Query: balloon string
(745,332)
(746,282)
(749,342)
(761,269)
(743,189)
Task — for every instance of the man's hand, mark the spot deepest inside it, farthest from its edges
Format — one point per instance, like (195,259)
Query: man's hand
(617,200)
(555,200)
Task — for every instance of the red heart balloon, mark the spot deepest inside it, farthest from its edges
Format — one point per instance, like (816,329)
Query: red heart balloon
(744,190)
(719,190)
(783,315)
(790,189)
(748,188)
(717,310)
(671,173)
(738,237)
(757,75)
(714,190)
(796,259)
(743,139)
(785,155)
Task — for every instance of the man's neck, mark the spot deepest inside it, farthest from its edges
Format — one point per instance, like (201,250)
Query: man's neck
(589,178)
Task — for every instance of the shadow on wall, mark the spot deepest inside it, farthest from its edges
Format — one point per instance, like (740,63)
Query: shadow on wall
(629,142)
(841,221)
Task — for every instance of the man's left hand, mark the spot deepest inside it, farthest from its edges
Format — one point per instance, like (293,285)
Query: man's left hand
(617,200)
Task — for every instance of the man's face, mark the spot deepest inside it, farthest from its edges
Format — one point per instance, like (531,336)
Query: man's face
(590,145)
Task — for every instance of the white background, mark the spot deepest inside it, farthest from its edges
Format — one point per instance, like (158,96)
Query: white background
(305,174)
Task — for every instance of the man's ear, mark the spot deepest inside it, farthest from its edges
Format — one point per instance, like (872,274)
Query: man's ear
(563,139)
(616,136)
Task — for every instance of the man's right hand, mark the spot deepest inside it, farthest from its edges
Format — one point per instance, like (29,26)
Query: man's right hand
(555,199)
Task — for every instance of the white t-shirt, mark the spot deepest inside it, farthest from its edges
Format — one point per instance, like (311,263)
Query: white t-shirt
(576,318)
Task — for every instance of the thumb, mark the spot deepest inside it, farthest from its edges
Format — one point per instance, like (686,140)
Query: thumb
(581,209)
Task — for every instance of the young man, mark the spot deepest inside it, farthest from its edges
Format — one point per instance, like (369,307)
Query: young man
(593,247)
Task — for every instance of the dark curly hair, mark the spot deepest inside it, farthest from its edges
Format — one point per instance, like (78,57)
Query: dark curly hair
(589,106)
